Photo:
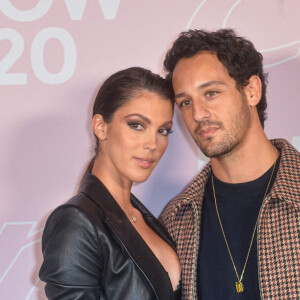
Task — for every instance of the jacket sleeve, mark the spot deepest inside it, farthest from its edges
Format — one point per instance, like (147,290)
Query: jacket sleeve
(72,256)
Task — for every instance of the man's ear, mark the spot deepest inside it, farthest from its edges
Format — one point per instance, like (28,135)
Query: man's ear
(99,126)
(253,90)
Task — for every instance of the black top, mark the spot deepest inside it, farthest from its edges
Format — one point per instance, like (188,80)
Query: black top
(238,206)
(92,251)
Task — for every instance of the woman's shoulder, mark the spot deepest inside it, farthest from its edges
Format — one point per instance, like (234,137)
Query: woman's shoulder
(79,214)
(70,241)
(74,226)
(80,204)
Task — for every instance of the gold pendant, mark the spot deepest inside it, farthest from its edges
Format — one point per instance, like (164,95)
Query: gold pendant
(239,287)
(133,219)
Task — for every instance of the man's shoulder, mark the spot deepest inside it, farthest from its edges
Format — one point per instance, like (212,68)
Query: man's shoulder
(290,156)
(285,146)
(286,185)
(190,195)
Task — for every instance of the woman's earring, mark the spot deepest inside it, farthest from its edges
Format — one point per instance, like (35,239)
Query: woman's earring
(102,137)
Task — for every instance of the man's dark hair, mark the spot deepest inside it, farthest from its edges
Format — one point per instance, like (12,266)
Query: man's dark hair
(237,54)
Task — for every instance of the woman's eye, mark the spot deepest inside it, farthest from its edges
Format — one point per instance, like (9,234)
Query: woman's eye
(136,126)
(165,131)
(185,103)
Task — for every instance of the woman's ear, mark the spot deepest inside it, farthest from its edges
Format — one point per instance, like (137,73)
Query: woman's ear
(253,90)
(99,126)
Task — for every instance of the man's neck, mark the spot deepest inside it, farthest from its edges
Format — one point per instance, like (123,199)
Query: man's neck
(247,162)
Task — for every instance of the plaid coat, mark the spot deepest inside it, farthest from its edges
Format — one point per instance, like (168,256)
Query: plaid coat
(278,231)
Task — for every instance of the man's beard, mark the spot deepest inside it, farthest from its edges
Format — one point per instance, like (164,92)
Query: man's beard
(230,139)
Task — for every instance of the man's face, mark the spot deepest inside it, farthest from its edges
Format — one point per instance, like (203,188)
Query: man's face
(215,112)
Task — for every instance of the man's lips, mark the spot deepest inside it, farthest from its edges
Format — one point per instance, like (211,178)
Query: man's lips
(144,162)
(207,132)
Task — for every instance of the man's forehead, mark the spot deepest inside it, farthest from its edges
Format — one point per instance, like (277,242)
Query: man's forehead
(200,70)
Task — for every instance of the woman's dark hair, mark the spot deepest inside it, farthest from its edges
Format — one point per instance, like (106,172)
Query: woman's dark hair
(237,54)
(121,87)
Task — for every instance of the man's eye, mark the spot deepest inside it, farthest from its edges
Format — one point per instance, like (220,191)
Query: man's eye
(185,103)
(135,125)
(211,94)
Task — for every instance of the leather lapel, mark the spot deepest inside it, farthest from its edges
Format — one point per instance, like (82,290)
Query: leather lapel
(152,221)
(138,250)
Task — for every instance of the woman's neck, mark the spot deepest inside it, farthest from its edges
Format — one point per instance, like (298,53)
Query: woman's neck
(118,186)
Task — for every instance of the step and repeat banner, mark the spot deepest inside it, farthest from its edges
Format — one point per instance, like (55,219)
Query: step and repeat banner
(54,55)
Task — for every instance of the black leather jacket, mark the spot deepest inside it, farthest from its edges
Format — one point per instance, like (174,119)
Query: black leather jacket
(91,250)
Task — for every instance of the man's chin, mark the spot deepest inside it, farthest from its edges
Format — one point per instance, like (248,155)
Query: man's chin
(207,151)
(212,151)
(207,147)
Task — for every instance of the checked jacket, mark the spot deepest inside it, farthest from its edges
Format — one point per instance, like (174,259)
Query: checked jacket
(278,231)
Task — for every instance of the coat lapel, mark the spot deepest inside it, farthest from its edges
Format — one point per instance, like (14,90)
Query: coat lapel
(130,239)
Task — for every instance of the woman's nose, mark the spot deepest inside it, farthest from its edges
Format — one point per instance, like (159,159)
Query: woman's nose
(151,143)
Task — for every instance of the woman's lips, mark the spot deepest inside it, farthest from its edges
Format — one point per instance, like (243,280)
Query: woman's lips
(145,163)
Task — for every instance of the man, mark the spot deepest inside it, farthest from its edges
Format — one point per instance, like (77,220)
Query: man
(237,225)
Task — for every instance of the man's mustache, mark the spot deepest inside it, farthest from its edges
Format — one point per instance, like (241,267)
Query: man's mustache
(207,123)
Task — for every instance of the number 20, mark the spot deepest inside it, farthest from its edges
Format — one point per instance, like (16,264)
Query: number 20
(37,56)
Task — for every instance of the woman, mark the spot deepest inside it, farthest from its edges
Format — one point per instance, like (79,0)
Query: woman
(103,243)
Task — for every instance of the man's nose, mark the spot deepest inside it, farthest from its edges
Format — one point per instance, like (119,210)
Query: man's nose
(200,111)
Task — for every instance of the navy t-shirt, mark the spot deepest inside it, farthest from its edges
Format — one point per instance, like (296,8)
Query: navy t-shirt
(238,206)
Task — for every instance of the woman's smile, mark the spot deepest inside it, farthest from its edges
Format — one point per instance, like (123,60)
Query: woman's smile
(145,163)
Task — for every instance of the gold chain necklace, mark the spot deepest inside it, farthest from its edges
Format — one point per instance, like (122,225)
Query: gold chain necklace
(239,284)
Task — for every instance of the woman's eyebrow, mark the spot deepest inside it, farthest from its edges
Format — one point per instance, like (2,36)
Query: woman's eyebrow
(147,120)
(140,116)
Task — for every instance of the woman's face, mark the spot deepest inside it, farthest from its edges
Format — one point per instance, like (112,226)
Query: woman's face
(137,137)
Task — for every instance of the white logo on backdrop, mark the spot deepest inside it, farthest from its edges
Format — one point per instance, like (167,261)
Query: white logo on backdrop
(284,60)
(109,8)
(33,234)
(231,9)
(75,9)
(37,56)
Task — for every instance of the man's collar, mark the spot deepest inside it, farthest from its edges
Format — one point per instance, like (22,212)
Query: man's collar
(286,186)
(287,183)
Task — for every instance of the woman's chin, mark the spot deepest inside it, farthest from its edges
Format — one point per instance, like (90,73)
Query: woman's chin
(140,179)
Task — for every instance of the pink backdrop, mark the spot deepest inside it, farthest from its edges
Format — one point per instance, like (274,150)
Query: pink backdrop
(53,57)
